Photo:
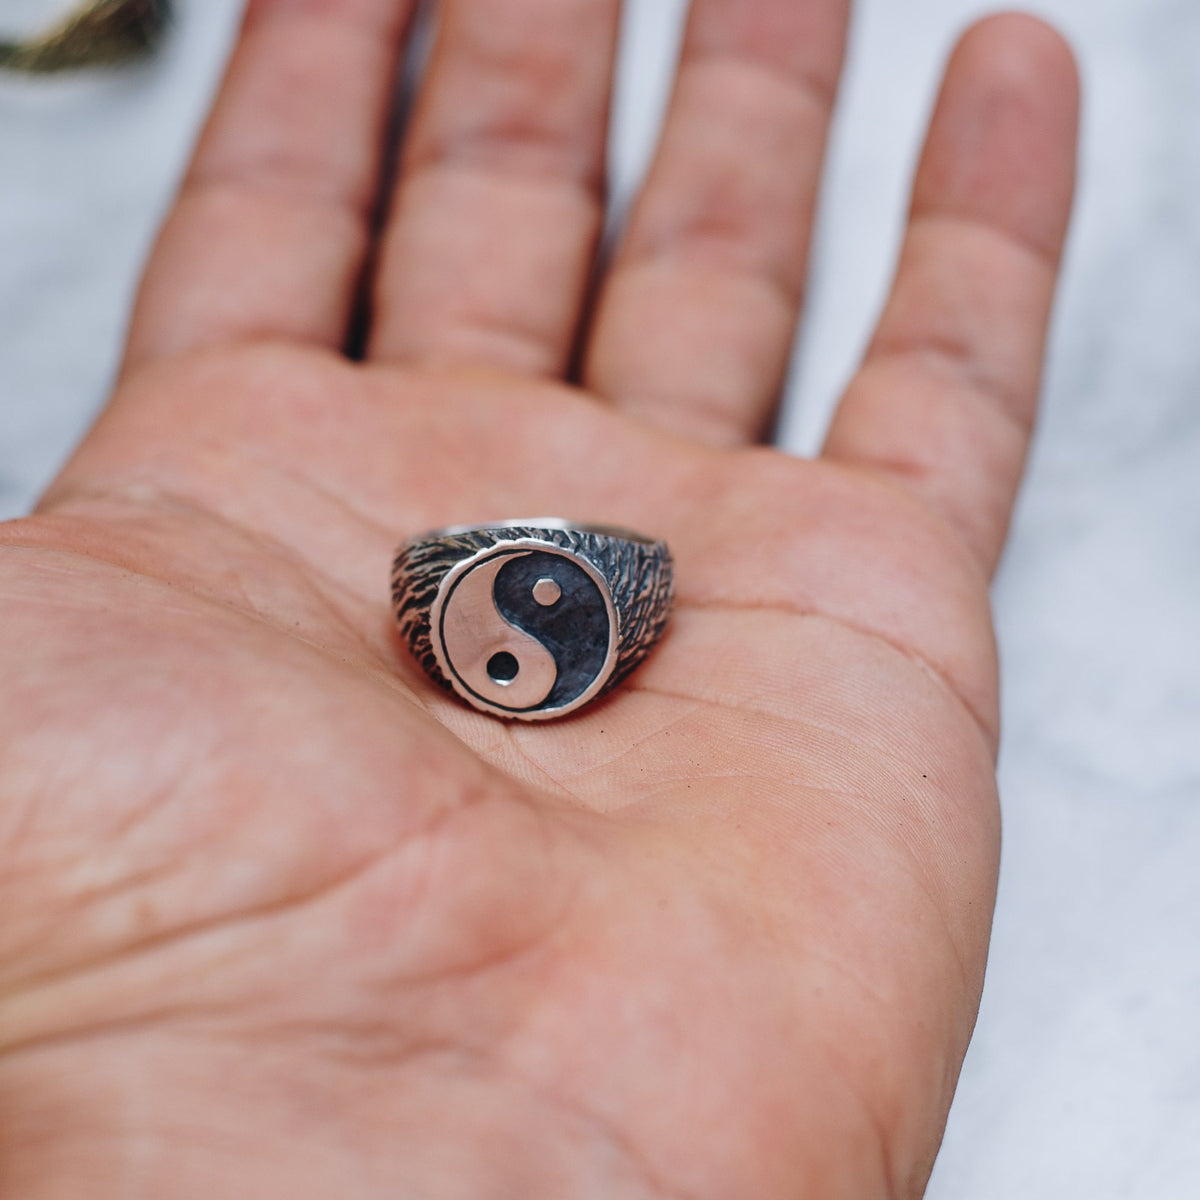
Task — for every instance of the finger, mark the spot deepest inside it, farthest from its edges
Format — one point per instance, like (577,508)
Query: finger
(945,400)
(696,320)
(499,206)
(270,231)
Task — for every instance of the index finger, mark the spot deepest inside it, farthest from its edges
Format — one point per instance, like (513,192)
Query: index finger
(945,401)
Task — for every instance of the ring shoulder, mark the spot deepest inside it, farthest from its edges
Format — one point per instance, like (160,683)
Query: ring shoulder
(641,579)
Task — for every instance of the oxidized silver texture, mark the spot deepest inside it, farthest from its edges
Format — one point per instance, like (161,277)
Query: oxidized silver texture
(531,619)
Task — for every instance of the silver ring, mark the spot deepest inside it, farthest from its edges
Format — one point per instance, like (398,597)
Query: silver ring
(531,619)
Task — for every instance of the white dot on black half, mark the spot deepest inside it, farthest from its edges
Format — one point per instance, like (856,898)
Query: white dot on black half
(547,592)
(526,631)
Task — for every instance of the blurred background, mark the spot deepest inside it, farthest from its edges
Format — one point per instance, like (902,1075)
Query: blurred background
(1084,1077)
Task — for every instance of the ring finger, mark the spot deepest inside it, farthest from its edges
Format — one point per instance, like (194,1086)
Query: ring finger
(500,199)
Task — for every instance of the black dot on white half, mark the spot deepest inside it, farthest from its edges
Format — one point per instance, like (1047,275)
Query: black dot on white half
(503,667)
(573,625)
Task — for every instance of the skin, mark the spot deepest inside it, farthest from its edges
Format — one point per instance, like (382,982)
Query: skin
(281,919)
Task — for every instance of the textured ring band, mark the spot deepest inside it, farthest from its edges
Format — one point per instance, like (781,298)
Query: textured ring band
(531,619)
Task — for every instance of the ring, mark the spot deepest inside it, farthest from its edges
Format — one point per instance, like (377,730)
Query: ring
(531,619)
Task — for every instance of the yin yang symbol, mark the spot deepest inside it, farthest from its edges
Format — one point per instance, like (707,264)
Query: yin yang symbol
(525,630)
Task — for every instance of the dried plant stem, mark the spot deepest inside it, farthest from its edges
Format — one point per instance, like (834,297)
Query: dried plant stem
(101,33)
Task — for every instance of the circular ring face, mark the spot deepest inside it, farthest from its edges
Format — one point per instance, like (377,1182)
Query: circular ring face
(525,629)
(531,619)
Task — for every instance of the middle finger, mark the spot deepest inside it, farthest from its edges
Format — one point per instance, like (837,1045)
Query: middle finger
(695,321)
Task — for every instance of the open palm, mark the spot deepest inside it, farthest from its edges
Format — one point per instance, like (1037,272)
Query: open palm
(282,919)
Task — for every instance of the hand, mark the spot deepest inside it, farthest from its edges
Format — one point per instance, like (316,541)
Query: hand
(283,920)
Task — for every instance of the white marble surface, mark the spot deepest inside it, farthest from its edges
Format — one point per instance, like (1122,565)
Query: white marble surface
(1084,1078)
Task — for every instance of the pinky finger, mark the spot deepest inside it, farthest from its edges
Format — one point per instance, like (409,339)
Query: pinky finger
(946,397)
